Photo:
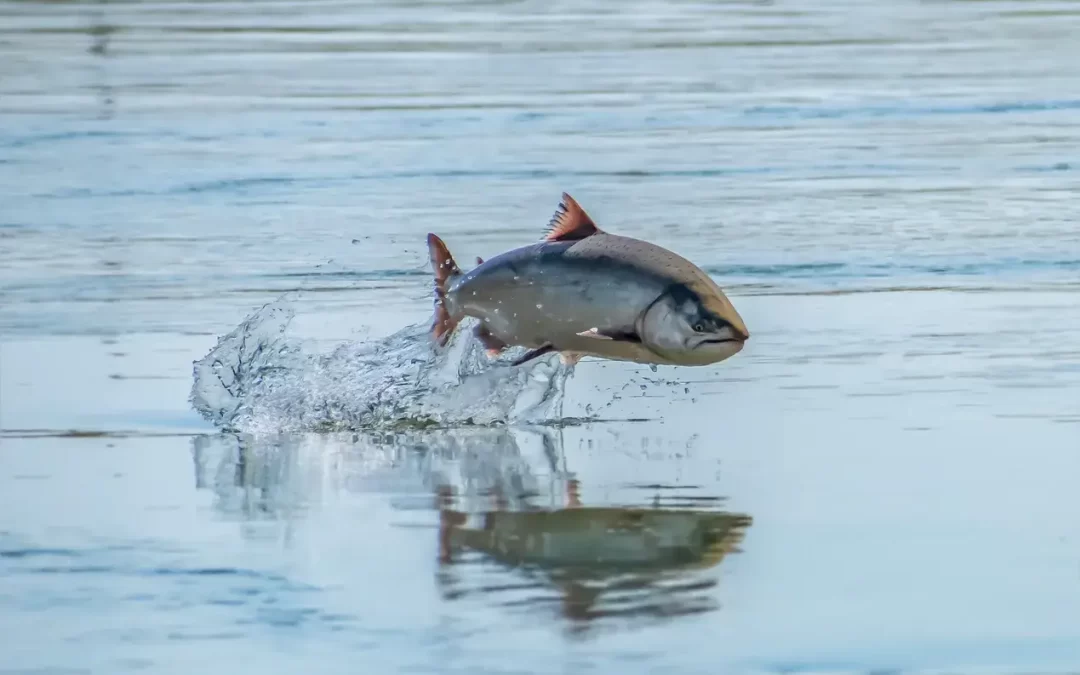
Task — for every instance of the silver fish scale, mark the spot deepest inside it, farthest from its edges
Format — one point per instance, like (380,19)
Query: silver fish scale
(546,293)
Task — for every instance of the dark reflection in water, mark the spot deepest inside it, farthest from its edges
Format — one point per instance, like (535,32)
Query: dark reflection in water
(509,523)
(603,562)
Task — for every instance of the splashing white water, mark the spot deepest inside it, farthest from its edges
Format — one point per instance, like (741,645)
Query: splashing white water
(259,379)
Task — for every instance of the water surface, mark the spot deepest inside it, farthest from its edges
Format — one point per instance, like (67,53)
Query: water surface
(880,482)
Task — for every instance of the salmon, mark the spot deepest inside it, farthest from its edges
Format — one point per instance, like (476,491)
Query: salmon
(581,291)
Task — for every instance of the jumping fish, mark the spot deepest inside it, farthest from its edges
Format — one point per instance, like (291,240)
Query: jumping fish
(581,291)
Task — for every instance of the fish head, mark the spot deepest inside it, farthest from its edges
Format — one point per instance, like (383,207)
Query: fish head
(687,327)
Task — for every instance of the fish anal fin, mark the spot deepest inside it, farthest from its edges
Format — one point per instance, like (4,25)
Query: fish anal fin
(534,354)
(570,222)
(492,344)
(571,358)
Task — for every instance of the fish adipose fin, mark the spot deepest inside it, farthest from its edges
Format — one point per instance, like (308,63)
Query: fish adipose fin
(618,335)
(492,344)
(570,222)
(446,270)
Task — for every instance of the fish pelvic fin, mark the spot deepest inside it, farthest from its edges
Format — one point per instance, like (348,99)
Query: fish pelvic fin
(570,222)
(534,354)
(446,270)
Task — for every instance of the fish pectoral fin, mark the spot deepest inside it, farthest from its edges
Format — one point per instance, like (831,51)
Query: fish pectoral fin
(595,334)
(618,335)
(533,354)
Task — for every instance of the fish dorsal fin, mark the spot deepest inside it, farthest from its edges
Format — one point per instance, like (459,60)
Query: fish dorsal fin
(570,222)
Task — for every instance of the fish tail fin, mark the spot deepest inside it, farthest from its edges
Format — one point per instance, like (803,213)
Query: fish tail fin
(446,270)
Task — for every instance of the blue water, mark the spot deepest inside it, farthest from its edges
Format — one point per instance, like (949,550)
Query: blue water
(882,481)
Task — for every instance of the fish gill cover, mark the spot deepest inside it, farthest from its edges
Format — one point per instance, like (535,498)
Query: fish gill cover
(261,378)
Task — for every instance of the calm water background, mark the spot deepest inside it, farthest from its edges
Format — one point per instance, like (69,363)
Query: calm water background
(884,480)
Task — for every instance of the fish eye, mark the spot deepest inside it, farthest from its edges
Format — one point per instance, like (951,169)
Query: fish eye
(698,327)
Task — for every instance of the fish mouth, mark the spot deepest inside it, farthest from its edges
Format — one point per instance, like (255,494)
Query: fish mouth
(727,333)
(738,337)
(720,341)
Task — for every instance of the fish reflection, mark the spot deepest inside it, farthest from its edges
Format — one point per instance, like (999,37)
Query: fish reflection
(512,528)
(603,561)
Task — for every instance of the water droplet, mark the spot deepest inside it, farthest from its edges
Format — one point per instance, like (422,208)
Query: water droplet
(539,306)
(652,367)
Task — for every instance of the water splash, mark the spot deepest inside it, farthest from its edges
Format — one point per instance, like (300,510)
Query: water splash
(260,379)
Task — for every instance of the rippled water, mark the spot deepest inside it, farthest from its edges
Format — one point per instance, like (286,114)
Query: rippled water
(882,481)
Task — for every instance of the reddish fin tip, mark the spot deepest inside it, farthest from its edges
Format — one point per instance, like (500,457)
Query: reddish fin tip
(570,222)
(444,268)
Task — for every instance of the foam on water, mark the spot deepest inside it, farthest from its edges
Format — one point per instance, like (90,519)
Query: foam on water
(260,378)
